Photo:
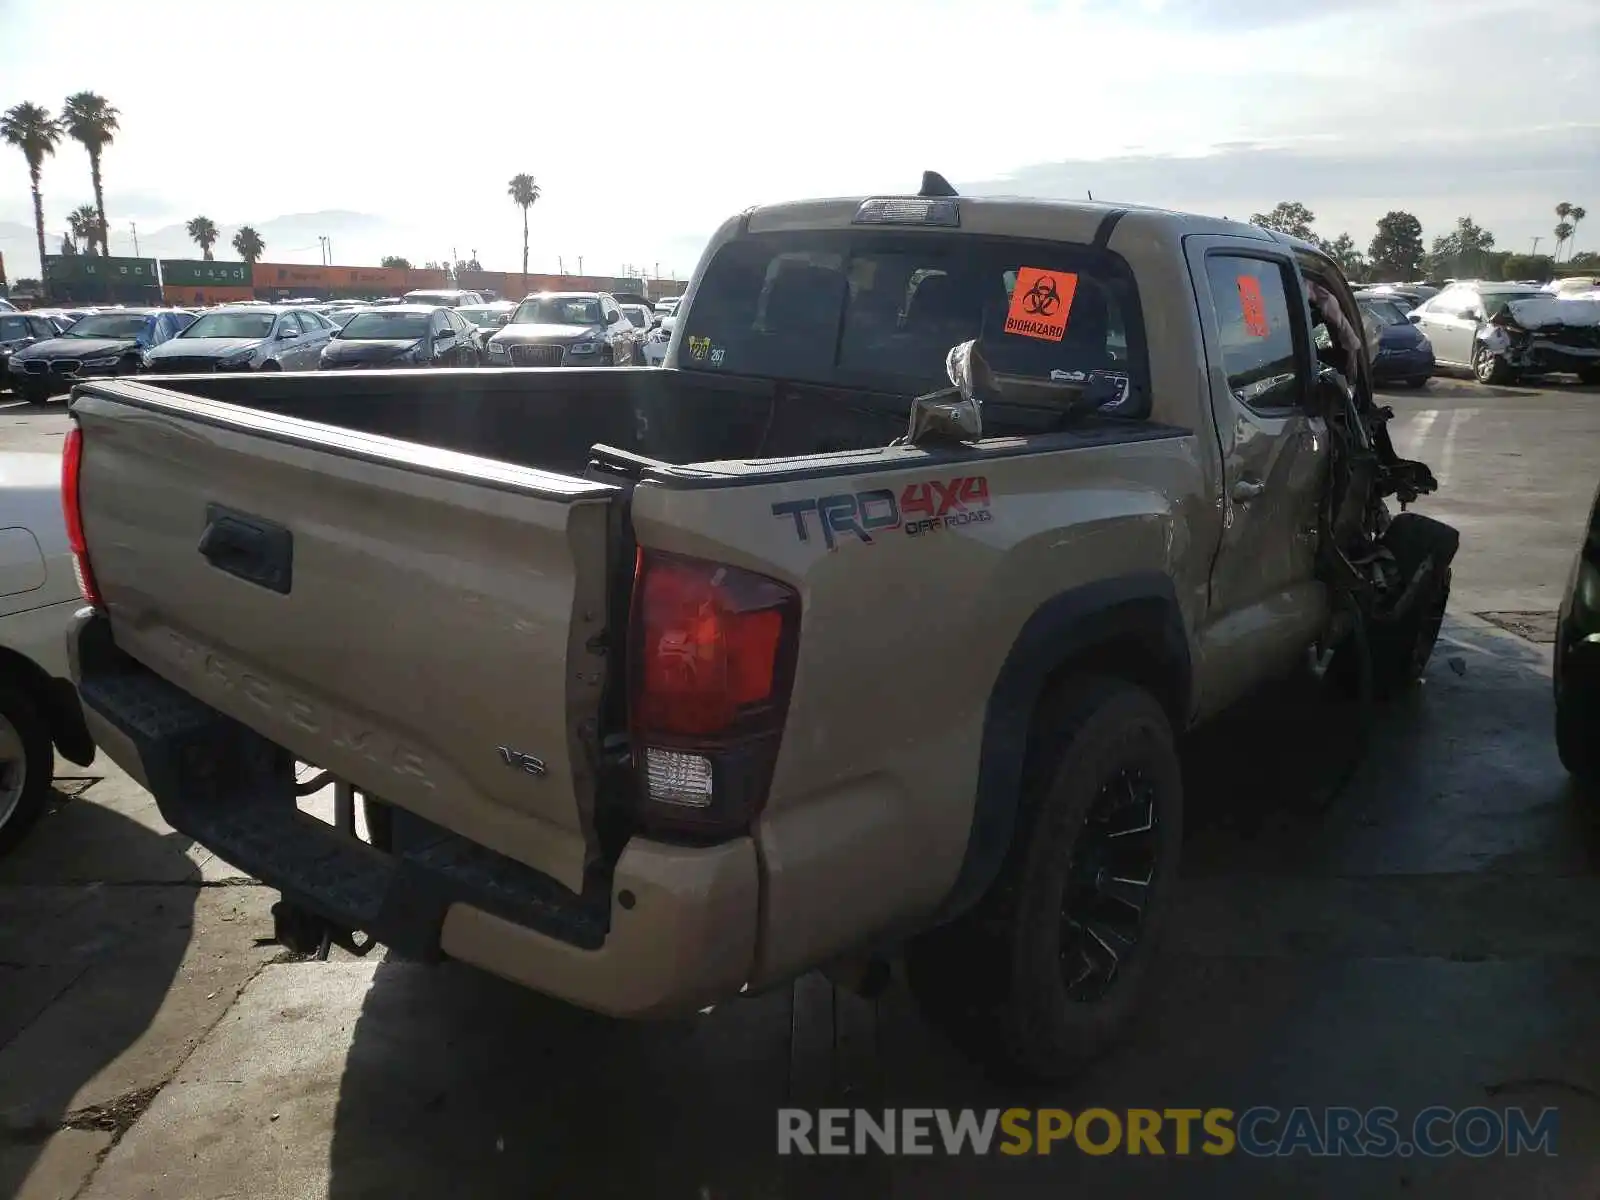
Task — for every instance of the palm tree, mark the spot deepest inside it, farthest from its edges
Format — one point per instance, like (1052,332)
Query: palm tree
(91,122)
(1563,232)
(247,244)
(1576,215)
(203,233)
(36,133)
(523,192)
(1563,210)
(84,223)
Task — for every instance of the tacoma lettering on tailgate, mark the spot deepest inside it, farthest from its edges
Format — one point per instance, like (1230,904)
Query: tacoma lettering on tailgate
(920,508)
(297,710)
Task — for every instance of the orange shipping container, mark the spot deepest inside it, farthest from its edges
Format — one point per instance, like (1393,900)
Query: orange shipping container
(418,278)
(181,296)
(293,277)
(375,279)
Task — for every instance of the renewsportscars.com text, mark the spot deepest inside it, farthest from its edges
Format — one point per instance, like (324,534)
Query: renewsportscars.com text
(1260,1132)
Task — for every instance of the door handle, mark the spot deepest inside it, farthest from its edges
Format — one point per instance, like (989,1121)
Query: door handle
(1248,489)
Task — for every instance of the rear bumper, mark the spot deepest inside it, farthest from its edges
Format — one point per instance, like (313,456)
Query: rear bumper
(668,930)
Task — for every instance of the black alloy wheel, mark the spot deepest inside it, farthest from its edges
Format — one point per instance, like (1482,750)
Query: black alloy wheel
(1109,879)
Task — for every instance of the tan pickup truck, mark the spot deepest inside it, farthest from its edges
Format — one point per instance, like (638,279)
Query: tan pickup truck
(867,624)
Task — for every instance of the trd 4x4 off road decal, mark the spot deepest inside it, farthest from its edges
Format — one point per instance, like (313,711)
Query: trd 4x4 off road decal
(919,508)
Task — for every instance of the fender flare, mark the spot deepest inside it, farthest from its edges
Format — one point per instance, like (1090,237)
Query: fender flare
(1070,625)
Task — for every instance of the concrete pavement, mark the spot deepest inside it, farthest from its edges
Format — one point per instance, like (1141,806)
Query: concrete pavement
(1426,935)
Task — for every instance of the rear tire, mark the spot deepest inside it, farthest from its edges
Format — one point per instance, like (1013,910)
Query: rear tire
(1047,972)
(271,365)
(27,762)
(1589,376)
(1418,384)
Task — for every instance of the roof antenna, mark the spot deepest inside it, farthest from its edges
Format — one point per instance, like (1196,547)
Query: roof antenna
(935,184)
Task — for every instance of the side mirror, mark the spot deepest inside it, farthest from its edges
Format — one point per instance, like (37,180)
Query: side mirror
(503,319)
(954,414)
(970,373)
(1414,317)
(444,335)
(285,334)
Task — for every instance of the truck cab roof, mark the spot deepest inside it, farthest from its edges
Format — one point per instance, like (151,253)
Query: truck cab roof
(1012,216)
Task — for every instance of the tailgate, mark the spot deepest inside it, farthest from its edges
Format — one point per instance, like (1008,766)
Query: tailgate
(420,623)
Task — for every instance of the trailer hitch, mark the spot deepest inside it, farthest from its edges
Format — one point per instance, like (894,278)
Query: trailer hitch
(302,932)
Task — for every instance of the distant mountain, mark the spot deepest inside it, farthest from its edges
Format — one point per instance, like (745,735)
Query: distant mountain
(290,238)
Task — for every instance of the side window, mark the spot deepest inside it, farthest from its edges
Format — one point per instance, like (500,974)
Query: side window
(13,329)
(441,324)
(1257,328)
(41,328)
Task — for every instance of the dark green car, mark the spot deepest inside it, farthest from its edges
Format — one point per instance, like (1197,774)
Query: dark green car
(1577,661)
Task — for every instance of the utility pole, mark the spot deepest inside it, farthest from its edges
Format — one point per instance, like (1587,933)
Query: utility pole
(580,264)
(134,226)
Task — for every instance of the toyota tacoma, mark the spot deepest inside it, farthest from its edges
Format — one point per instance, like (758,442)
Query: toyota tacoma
(868,625)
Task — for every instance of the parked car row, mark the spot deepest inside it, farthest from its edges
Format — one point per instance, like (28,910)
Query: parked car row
(1504,332)
(42,354)
(109,342)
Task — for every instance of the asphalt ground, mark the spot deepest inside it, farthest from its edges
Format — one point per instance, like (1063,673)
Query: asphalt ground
(1425,936)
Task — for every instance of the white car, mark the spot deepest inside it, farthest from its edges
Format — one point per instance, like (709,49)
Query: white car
(655,342)
(444,298)
(39,709)
(641,318)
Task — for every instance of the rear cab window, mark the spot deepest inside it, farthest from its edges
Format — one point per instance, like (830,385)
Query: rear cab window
(880,310)
(1261,341)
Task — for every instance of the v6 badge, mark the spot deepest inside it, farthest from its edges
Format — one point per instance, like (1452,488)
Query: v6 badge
(525,762)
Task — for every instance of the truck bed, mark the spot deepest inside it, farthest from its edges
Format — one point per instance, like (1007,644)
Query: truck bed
(550,419)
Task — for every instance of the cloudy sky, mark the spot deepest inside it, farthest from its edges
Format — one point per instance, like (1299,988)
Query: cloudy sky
(393,128)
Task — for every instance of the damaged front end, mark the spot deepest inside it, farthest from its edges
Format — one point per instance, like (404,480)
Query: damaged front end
(1541,335)
(1389,575)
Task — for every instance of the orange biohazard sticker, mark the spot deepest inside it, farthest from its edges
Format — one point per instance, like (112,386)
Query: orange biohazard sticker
(1040,303)
(1254,306)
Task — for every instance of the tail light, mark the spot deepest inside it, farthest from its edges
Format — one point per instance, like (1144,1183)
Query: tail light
(72,510)
(712,666)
